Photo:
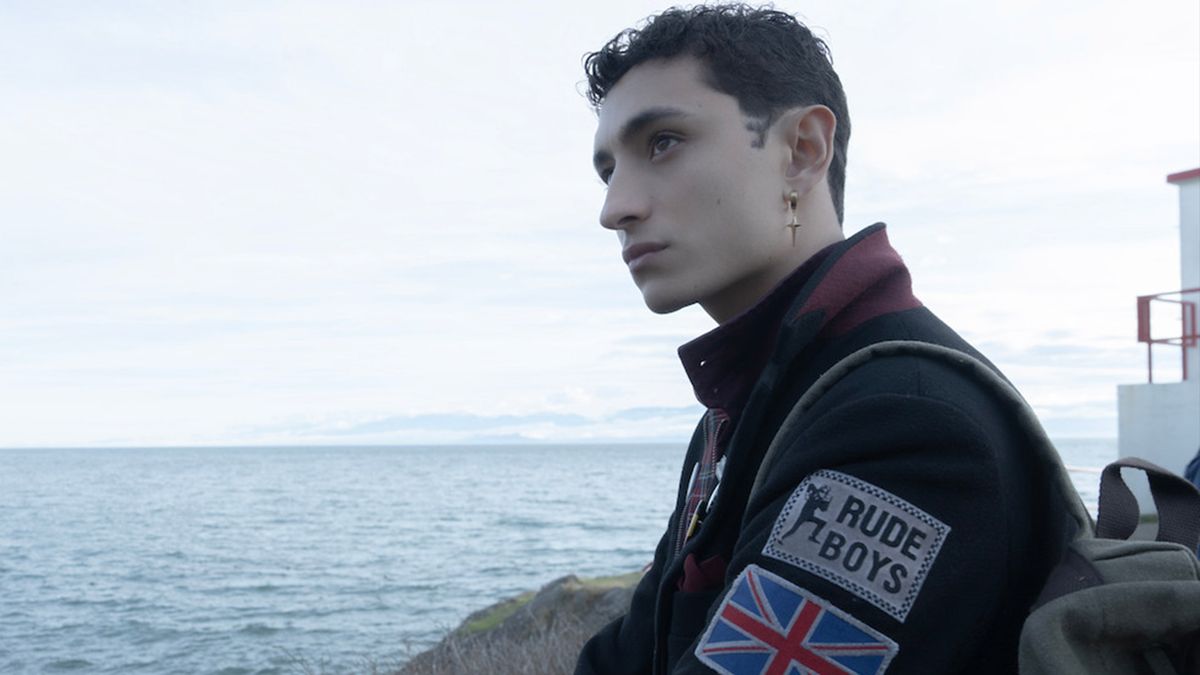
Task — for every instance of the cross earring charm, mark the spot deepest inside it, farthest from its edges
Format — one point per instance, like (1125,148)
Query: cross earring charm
(792,201)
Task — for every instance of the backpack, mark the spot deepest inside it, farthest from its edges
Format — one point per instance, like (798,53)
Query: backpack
(1115,605)
(1111,605)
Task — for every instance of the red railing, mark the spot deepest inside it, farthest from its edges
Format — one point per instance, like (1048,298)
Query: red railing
(1188,336)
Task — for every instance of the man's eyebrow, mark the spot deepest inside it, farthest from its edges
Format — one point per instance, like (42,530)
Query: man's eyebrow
(635,126)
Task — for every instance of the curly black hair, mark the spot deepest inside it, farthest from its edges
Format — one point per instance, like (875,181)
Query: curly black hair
(764,58)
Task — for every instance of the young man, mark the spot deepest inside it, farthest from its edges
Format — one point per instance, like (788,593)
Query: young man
(901,527)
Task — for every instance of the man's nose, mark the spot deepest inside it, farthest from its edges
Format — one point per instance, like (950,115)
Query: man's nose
(625,204)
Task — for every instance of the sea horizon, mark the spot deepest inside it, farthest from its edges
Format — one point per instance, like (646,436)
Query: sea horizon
(432,444)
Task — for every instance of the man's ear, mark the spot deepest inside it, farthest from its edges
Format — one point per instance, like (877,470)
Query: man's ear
(808,132)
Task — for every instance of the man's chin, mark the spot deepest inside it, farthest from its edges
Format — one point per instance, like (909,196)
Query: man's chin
(660,304)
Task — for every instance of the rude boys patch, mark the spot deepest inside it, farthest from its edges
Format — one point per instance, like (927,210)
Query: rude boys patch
(862,538)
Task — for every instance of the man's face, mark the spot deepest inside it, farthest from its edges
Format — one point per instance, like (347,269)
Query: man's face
(698,208)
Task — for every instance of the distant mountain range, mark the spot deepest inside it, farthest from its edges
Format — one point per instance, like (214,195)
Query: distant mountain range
(642,424)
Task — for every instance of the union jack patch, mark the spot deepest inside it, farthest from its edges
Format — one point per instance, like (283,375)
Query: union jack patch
(768,626)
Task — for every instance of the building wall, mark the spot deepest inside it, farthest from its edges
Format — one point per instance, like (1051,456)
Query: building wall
(1189,233)
(1189,256)
(1161,423)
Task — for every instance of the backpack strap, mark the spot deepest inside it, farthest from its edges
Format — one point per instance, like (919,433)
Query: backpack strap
(1176,500)
(982,373)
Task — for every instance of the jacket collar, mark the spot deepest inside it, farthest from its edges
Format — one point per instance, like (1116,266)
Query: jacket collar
(831,293)
(724,363)
(861,278)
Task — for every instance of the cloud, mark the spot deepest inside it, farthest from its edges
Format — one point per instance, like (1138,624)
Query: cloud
(219,219)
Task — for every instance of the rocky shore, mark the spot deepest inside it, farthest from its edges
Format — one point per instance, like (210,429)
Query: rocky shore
(535,633)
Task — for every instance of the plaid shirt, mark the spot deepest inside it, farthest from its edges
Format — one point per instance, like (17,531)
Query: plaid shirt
(704,474)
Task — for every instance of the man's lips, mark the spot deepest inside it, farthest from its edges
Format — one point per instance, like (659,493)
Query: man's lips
(635,251)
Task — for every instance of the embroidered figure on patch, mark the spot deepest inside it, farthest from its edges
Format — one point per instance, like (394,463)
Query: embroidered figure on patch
(816,499)
(865,539)
(768,626)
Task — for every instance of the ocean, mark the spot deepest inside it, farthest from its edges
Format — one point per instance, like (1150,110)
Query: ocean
(240,561)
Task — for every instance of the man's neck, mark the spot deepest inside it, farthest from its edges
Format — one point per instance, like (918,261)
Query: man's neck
(741,296)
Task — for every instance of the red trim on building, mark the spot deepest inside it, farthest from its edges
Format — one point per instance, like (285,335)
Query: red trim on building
(1190,334)
(1183,175)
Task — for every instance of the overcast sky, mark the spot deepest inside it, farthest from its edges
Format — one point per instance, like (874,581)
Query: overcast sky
(359,222)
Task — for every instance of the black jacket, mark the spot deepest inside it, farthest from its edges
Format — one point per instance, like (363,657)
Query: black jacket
(904,516)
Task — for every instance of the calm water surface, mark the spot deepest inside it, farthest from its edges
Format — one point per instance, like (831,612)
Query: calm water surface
(240,561)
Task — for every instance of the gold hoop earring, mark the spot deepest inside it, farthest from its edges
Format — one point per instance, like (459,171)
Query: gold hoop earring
(793,200)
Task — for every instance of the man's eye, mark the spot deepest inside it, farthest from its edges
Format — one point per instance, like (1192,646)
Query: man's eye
(661,143)
(605,175)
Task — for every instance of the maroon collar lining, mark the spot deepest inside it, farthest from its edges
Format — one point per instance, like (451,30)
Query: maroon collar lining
(868,280)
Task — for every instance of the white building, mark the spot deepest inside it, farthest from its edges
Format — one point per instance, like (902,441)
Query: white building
(1160,421)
